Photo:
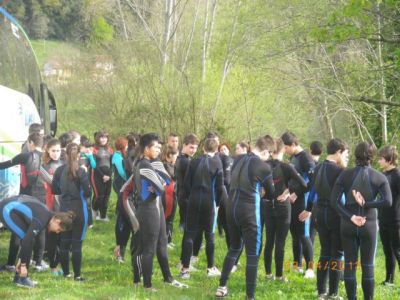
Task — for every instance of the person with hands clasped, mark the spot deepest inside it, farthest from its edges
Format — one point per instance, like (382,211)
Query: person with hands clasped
(360,187)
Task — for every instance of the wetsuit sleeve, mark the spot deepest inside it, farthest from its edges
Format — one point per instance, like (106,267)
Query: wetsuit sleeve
(226,166)
(187,183)
(312,196)
(384,192)
(219,184)
(91,159)
(266,180)
(337,198)
(153,179)
(56,182)
(180,172)
(20,159)
(27,241)
(118,162)
(84,183)
(309,166)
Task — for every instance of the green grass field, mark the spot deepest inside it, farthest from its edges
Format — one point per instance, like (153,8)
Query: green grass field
(106,279)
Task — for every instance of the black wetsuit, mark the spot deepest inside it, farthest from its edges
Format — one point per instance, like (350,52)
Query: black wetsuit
(74,194)
(369,183)
(102,190)
(31,184)
(389,225)
(277,215)
(328,226)
(26,217)
(243,214)
(152,235)
(300,231)
(204,185)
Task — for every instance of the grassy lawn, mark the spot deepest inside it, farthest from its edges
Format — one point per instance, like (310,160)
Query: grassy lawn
(106,279)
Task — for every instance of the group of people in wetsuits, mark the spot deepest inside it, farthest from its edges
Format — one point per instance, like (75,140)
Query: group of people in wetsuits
(216,192)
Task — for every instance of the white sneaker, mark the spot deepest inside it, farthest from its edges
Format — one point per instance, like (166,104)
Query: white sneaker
(193,269)
(184,274)
(234,269)
(177,284)
(298,270)
(97,218)
(213,272)
(309,274)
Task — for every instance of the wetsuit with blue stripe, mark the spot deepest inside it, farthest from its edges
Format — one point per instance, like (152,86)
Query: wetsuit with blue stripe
(277,215)
(122,225)
(204,187)
(370,184)
(389,225)
(243,214)
(74,194)
(300,231)
(150,214)
(26,217)
(328,226)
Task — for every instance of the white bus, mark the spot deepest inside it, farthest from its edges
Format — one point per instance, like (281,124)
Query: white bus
(24,98)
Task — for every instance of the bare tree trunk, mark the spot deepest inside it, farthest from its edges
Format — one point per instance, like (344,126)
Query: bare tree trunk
(167,31)
(191,37)
(123,20)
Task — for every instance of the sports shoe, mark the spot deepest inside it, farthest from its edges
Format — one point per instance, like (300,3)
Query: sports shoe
(269,277)
(57,273)
(309,274)
(177,284)
(25,282)
(387,283)
(322,296)
(298,270)
(281,279)
(97,218)
(222,291)
(79,278)
(150,290)
(120,259)
(234,269)
(42,267)
(184,274)
(334,297)
(7,268)
(213,272)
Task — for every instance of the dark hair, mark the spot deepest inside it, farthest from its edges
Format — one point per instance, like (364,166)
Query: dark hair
(289,139)
(316,148)
(65,139)
(66,219)
(191,138)
(335,145)
(99,134)
(147,140)
(36,138)
(246,145)
(50,143)
(389,153)
(210,145)
(271,142)
(212,135)
(364,153)
(75,134)
(35,128)
(73,153)
(278,145)
(173,134)
(264,143)
(85,142)
(168,151)
(133,139)
(46,139)
(120,144)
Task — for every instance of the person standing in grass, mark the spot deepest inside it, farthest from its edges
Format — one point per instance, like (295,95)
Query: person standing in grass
(72,182)
(389,217)
(361,187)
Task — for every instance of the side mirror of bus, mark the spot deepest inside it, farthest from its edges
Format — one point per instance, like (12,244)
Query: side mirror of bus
(53,113)
(48,110)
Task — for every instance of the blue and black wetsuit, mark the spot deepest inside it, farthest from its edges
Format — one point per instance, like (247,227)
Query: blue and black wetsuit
(150,214)
(328,226)
(277,215)
(102,190)
(300,231)
(389,225)
(122,226)
(243,214)
(26,217)
(31,184)
(369,183)
(74,194)
(204,187)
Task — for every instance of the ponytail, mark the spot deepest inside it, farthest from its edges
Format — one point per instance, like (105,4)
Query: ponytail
(66,219)
(72,160)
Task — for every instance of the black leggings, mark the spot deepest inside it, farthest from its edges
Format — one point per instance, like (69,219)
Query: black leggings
(169,221)
(331,255)
(390,237)
(277,222)
(39,246)
(52,248)
(354,239)
(152,239)
(102,191)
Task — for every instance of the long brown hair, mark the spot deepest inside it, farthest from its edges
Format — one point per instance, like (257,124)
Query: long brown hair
(66,219)
(73,153)
(46,157)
